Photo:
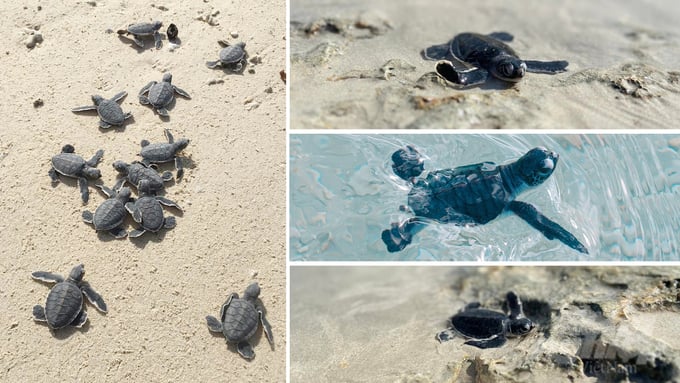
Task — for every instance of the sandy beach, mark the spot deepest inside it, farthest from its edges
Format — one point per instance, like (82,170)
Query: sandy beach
(160,287)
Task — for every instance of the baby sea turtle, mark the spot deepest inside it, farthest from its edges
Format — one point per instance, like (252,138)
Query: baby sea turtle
(64,305)
(111,213)
(148,212)
(110,113)
(160,94)
(487,328)
(138,30)
(231,56)
(468,59)
(72,165)
(172,32)
(473,194)
(239,320)
(164,152)
(136,171)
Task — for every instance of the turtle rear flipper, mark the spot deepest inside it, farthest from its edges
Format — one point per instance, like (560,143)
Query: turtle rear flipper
(169,223)
(549,228)
(214,325)
(437,52)
(179,167)
(163,112)
(445,336)
(136,233)
(118,233)
(144,100)
(80,319)
(546,67)
(94,297)
(468,77)
(84,192)
(245,349)
(492,342)
(138,41)
(88,217)
(104,125)
(39,314)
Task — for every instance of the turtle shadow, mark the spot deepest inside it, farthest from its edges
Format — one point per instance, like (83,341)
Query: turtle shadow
(133,44)
(143,240)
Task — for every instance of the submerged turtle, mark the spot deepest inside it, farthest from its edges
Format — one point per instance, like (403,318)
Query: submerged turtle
(473,194)
(231,56)
(136,171)
(487,328)
(468,59)
(110,215)
(239,320)
(64,305)
(138,30)
(69,164)
(164,152)
(148,212)
(160,94)
(110,113)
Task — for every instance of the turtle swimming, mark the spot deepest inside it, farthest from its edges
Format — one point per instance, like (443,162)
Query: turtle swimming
(160,94)
(136,171)
(161,152)
(109,216)
(69,164)
(239,320)
(473,195)
(138,30)
(148,212)
(232,56)
(469,58)
(110,113)
(486,328)
(64,305)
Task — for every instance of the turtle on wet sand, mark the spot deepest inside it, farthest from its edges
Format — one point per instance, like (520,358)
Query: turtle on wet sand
(474,195)
(109,216)
(64,305)
(110,113)
(486,328)
(136,171)
(469,58)
(148,212)
(162,152)
(69,164)
(160,94)
(232,56)
(239,320)
(138,30)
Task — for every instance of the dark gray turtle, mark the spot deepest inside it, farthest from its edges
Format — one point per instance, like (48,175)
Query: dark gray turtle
(231,56)
(164,152)
(64,305)
(136,171)
(110,113)
(468,59)
(72,165)
(138,30)
(110,215)
(473,195)
(160,94)
(487,328)
(239,320)
(148,212)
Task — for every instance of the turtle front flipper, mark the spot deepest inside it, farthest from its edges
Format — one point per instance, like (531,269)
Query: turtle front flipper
(47,277)
(400,235)
(245,349)
(80,320)
(136,233)
(181,92)
(179,167)
(515,306)
(94,297)
(549,228)
(212,64)
(144,100)
(39,314)
(492,342)
(468,77)
(158,40)
(546,67)
(214,325)
(437,52)
(84,192)
(266,327)
(445,336)
(84,108)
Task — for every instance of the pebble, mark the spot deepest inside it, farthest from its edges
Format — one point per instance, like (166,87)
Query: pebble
(33,39)
(234,34)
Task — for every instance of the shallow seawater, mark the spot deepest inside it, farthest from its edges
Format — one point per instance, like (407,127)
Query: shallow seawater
(619,194)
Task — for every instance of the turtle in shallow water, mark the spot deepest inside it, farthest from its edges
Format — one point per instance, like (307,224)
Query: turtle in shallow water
(69,164)
(473,195)
(486,328)
(110,113)
(138,30)
(161,152)
(109,216)
(239,320)
(160,94)
(148,212)
(231,56)
(468,59)
(64,305)
(136,171)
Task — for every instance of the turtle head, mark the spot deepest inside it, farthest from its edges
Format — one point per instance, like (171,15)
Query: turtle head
(121,167)
(508,68)
(252,292)
(167,77)
(536,166)
(156,25)
(77,273)
(97,99)
(181,144)
(407,162)
(521,326)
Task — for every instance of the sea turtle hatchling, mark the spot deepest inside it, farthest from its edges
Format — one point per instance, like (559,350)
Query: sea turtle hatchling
(148,212)
(231,56)
(136,171)
(64,305)
(138,30)
(110,113)
(473,195)
(239,320)
(109,216)
(69,164)
(468,59)
(486,328)
(160,94)
(162,152)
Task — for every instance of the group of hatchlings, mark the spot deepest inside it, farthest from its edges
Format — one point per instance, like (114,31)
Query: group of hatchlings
(240,317)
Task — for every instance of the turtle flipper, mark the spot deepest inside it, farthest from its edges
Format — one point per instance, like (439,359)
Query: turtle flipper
(166,202)
(213,324)
(468,77)
(179,167)
(502,36)
(400,235)
(96,158)
(158,40)
(119,96)
(146,88)
(104,125)
(515,305)
(138,41)
(84,108)
(87,216)
(181,92)
(94,297)
(39,314)
(144,100)
(118,232)
(549,228)
(163,112)
(445,336)
(245,349)
(492,342)
(546,67)
(267,328)
(212,64)
(84,192)
(136,233)
(80,319)
(169,223)
(53,175)
(47,277)
(437,52)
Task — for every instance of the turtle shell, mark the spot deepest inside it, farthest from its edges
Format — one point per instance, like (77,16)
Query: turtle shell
(64,303)
(161,94)
(143,29)
(152,213)
(479,49)
(479,323)
(109,215)
(110,112)
(240,320)
(158,152)
(68,164)
(232,54)
(138,172)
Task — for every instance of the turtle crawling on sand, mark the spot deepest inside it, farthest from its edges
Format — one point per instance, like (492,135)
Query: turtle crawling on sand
(69,164)
(473,195)
(231,56)
(136,172)
(109,216)
(110,113)
(148,212)
(138,30)
(160,94)
(161,152)
(469,58)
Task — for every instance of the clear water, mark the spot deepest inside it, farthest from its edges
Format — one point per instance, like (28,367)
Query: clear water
(619,194)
